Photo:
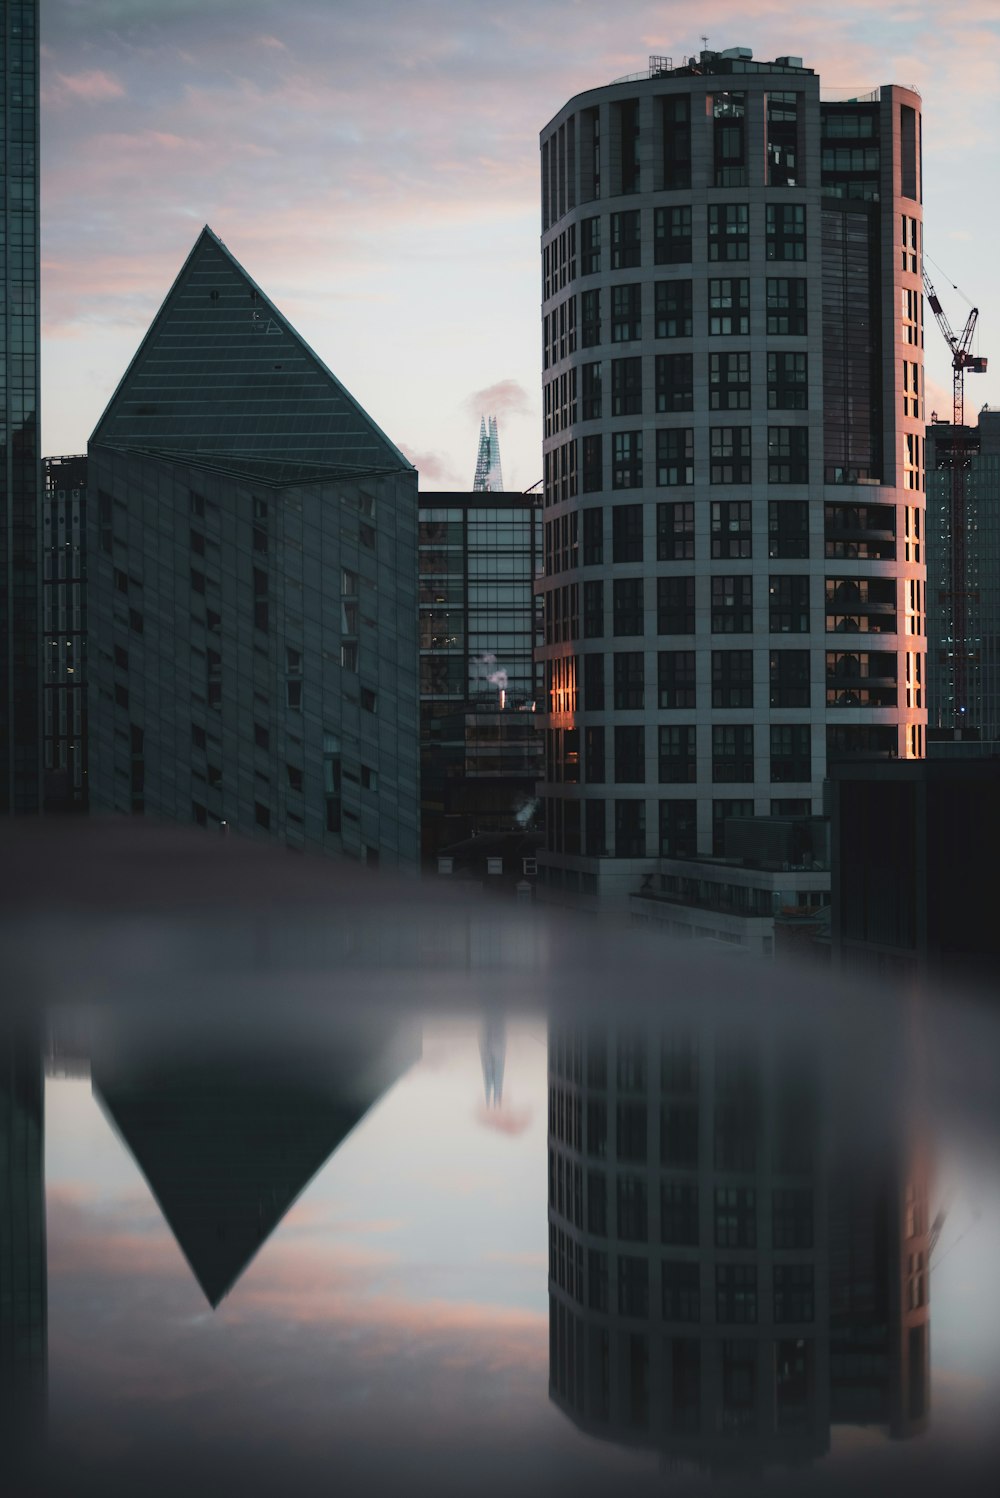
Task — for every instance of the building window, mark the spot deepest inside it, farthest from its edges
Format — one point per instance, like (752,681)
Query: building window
(590,246)
(792,1217)
(789,676)
(261,736)
(593,610)
(732,605)
(591,380)
(731,529)
(626,250)
(626,313)
(676,678)
(675,532)
(735,1217)
(674,382)
(593,537)
(631,1133)
(782,139)
(676,142)
(736,1293)
(672,235)
(627,606)
(681,1291)
(788,455)
(675,605)
(791,751)
(674,456)
(788,605)
(262,815)
(788,528)
(787,314)
(785,231)
(630,829)
(629,694)
(729,382)
(729,231)
(679,839)
(732,752)
(729,139)
(729,455)
(673,316)
(728,307)
(728,810)
(626,533)
(590,318)
(626,387)
(593,464)
(679,1214)
(633,1285)
(593,750)
(626,466)
(787,381)
(793,1292)
(678,762)
(732,678)
(593,683)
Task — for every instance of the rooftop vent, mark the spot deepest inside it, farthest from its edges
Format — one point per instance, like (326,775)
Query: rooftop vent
(744,53)
(788,62)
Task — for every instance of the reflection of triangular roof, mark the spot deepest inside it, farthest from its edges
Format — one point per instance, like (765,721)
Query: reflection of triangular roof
(221,372)
(225,1158)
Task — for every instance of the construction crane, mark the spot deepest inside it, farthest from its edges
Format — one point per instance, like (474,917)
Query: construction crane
(961,360)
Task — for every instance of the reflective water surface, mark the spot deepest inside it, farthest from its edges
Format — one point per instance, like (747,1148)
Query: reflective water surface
(405,1193)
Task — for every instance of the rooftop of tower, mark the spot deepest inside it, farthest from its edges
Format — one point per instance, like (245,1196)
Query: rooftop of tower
(732,60)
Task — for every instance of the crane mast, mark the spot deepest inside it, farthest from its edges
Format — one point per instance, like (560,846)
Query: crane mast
(961,360)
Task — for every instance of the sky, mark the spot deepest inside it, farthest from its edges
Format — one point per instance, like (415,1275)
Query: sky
(375,169)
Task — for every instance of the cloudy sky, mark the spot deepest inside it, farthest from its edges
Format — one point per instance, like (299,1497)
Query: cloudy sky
(374,166)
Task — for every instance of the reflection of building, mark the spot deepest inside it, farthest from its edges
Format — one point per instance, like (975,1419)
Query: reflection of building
(251,547)
(64,630)
(23,1281)
(480,749)
(733,351)
(493,1052)
(20,474)
(724,1283)
(978,450)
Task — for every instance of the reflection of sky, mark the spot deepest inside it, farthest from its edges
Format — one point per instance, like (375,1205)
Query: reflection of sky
(400,1307)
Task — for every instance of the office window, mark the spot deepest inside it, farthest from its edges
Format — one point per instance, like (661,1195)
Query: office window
(672,235)
(674,456)
(788,455)
(679,1121)
(729,382)
(792,1217)
(676,141)
(678,839)
(787,381)
(793,1292)
(626,465)
(788,604)
(788,528)
(787,313)
(678,763)
(789,677)
(732,605)
(626,313)
(785,231)
(631,1136)
(729,450)
(735,1217)
(736,1293)
(590,318)
(674,382)
(675,605)
(729,231)
(628,670)
(626,250)
(679,1214)
(782,139)
(627,606)
(626,387)
(626,533)
(591,391)
(791,752)
(731,529)
(593,683)
(630,829)
(673,317)
(676,678)
(724,811)
(593,755)
(675,532)
(633,1285)
(593,464)
(728,308)
(732,752)
(681,1291)
(732,678)
(590,246)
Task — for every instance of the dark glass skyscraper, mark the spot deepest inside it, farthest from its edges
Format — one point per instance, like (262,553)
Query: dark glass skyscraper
(19,468)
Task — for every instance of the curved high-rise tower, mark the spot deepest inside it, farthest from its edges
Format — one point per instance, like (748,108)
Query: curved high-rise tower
(734,491)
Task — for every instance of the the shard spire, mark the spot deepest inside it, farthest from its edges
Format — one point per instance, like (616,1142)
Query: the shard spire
(489,478)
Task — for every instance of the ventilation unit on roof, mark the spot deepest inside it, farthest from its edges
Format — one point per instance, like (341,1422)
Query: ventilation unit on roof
(788,62)
(744,53)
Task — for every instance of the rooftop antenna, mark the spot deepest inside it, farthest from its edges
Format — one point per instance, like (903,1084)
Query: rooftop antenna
(704,44)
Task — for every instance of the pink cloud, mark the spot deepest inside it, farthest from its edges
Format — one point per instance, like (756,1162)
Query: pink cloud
(93,87)
(505,398)
(432,467)
(505,1120)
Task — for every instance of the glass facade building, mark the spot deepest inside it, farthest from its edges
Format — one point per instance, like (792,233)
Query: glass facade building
(64,634)
(20,484)
(479,743)
(251,539)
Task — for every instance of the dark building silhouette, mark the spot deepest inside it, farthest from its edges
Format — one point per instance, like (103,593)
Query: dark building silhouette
(20,475)
(251,585)
(64,635)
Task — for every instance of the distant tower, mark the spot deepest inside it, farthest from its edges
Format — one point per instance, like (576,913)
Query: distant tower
(489,479)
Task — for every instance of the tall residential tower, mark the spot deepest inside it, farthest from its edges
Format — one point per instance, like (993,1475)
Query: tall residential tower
(733,352)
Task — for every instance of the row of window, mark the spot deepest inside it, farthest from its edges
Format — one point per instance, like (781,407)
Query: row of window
(737,1124)
(727,313)
(730,460)
(732,678)
(677,758)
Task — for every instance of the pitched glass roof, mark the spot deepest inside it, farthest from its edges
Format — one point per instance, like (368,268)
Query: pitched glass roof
(221,371)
